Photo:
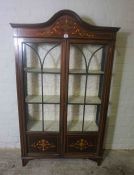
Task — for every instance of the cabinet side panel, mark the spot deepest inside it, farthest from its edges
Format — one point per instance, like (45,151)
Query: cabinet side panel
(105,96)
(20,94)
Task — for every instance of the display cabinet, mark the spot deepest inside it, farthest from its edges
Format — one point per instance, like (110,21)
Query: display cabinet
(63,72)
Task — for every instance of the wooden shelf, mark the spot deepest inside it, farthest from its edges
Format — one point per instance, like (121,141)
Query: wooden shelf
(57,71)
(76,125)
(53,125)
(49,125)
(47,99)
(55,99)
(45,70)
(83,72)
(80,100)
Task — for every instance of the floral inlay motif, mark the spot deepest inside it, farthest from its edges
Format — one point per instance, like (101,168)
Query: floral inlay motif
(66,24)
(81,144)
(42,145)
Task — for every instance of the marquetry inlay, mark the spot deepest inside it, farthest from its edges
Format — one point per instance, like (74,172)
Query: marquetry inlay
(66,25)
(81,144)
(42,145)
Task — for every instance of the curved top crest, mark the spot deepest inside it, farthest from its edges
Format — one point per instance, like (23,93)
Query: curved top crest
(64,23)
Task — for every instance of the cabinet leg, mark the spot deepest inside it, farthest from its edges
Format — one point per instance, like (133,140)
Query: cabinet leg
(24,162)
(99,161)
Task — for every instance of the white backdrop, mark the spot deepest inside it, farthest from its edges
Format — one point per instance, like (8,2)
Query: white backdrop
(118,13)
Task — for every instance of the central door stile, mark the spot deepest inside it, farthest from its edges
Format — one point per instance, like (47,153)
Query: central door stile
(63,90)
(64,94)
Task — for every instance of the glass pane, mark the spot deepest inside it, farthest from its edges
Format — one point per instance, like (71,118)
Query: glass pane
(34,118)
(42,85)
(91,53)
(51,117)
(36,53)
(75,118)
(34,84)
(85,71)
(51,84)
(77,85)
(90,122)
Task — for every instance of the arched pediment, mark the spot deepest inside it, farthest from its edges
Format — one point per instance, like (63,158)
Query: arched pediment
(65,24)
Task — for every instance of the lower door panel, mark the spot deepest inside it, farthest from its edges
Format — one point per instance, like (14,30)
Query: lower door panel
(81,143)
(43,143)
(46,144)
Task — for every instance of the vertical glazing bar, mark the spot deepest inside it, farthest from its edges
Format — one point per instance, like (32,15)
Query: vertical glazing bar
(42,100)
(85,94)
(100,84)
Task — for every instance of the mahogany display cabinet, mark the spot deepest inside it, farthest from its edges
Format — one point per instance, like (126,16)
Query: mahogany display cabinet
(63,72)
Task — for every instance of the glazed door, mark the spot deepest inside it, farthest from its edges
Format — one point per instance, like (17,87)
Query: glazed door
(41,69)
(63,88)
(85,85)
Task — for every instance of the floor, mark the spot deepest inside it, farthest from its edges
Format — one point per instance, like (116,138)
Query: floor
(114,163)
